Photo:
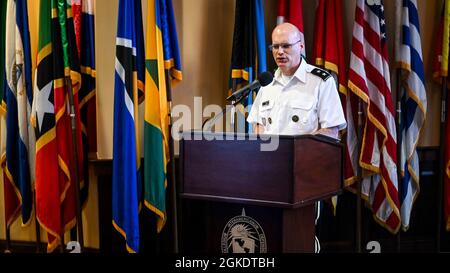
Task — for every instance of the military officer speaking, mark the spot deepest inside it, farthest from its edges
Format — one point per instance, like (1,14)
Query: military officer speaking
(302,99)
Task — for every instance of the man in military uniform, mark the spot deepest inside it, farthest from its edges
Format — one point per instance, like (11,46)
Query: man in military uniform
(302,99)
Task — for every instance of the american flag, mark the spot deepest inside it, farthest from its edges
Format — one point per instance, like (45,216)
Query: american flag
(413,101)
(369,79)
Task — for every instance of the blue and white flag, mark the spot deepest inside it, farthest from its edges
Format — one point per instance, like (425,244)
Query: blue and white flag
(126,159)
(413,102)
(20,140)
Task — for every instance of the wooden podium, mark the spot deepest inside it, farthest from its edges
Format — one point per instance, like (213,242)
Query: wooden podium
(237,198)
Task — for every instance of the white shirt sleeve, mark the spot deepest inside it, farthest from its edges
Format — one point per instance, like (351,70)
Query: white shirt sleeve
(253,116)
(330,109)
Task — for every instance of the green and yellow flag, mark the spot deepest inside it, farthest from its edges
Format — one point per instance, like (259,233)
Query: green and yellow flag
(161,53)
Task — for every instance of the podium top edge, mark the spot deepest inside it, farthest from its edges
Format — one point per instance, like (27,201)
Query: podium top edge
(229,135)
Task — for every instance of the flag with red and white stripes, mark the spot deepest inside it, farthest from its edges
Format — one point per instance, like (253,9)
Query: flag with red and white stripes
(291,11)
(369,79)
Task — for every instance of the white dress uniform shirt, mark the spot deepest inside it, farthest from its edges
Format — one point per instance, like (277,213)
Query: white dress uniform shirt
(299,104)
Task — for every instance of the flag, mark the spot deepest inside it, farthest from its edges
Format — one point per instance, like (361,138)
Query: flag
(87,93)
(162,53)
(444,73)
(260,36)
(243,55)
(140,55)
(55,192)
(2,55)
(291,11)
(66,50)
(447,171)
(77,12)
(445,39)
(369,79)
(351,155)
(440,70)
(249,44)
(83,21)
(413,101)
(126,161)
(48,192)
(156,127)
(19,166)
(329,41)
(2,91)
(12,194)
(172,59)
(329,54)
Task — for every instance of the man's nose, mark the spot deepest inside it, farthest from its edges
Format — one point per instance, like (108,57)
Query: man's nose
(280,51)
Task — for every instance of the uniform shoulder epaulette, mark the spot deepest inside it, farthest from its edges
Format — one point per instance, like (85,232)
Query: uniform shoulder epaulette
(323,74)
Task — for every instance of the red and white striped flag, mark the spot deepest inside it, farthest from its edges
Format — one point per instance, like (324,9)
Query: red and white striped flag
(369,79)
(291,11)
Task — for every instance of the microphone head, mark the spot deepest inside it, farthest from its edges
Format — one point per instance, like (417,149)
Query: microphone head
(265,78)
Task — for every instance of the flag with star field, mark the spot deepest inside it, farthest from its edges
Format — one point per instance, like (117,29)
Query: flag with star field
(47,183)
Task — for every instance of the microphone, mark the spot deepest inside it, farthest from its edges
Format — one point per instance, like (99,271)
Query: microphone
(264,79)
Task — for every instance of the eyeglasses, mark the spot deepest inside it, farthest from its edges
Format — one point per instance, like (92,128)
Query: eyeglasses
(283,46)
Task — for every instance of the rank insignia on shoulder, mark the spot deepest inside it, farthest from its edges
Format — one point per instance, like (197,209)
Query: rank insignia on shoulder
(266,103)
(324,75)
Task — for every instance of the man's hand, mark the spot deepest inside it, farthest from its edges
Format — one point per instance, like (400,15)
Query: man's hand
(331,132)
(258,129)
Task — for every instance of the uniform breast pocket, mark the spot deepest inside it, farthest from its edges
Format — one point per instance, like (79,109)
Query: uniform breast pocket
(265,110)
(302,115)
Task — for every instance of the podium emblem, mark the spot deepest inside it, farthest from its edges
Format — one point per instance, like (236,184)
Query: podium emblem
(243,234)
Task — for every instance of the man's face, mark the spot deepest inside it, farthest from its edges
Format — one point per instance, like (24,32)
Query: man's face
(287,57)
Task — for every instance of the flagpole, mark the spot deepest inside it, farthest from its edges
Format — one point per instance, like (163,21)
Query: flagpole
(444,101)
(75,163)
(399,146)
(8,237)
(359,181)
(172,164)
(37,226)
(61,245)
(7,232)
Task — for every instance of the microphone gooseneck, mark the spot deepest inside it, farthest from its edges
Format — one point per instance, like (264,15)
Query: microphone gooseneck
(264,79)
